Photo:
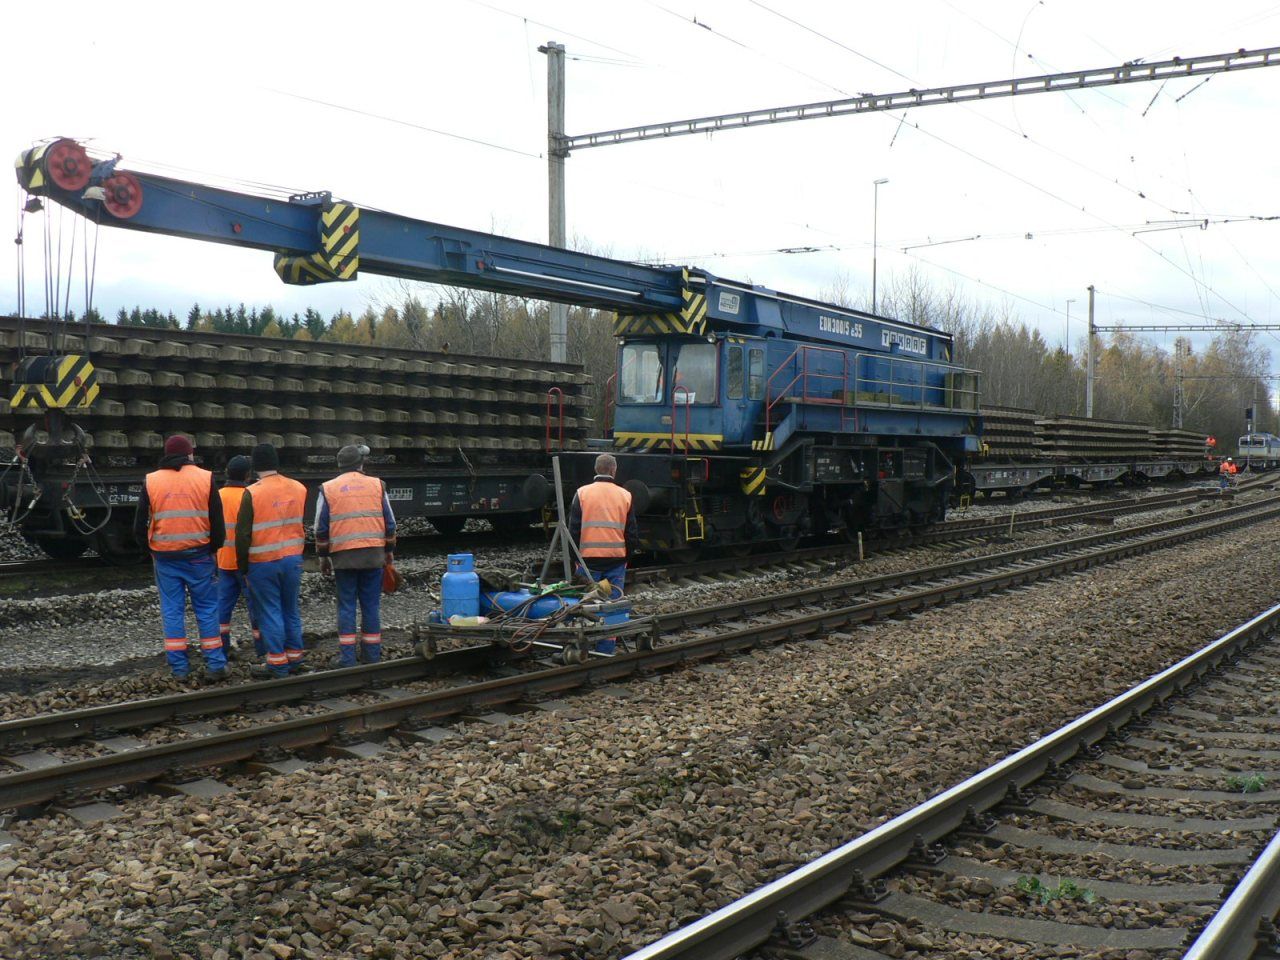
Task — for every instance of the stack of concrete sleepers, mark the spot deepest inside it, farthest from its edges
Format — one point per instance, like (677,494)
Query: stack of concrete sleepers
(1078,438)
(1009,432)
(308,398)
(1178,444)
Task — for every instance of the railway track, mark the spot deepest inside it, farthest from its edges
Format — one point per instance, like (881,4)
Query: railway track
(952,531)
(1164,789)
(64,771)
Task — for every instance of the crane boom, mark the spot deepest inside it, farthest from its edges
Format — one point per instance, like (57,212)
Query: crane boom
(316,238)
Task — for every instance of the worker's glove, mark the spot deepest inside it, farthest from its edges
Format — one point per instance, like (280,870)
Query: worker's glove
(391,556)
(326,566)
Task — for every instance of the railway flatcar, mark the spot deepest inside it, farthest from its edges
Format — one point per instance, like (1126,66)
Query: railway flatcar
(456,437)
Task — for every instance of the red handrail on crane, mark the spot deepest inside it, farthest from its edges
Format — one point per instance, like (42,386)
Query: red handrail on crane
(553,394)
(802,376)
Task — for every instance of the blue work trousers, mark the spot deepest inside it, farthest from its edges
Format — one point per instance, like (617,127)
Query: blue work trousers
(365,588)
(231,584)
(177,579)
(617,578)
(273,595)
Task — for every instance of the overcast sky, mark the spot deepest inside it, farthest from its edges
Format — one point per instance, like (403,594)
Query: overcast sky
(1054,185)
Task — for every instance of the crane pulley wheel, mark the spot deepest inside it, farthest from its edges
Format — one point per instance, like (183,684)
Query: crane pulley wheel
(123,195)
(67,165)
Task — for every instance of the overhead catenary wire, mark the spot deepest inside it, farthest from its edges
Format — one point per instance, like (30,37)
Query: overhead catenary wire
(1201,284)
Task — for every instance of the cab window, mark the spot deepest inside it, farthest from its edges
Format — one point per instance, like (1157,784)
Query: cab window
(695,372)
(734,386)
(641,376)
(755,373)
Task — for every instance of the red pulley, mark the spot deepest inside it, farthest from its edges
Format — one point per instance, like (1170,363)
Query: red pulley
(122,195)
(68,165)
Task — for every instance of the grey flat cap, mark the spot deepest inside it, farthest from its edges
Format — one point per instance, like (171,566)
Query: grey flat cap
(352,455)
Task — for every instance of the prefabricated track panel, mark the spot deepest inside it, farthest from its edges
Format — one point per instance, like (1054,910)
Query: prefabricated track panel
(1009,432)
(411,407)
(1080,437)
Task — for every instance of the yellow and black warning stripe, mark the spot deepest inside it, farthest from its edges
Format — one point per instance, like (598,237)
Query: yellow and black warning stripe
(690,320)
(662,441)
(763,445)
(753,481)
(54,383)
(339,255)
(31,175)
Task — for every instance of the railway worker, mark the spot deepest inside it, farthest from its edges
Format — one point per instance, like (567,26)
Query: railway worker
(231,582)
(180,519)
(1227,473)
(603,522)
(356,539)
(269,542)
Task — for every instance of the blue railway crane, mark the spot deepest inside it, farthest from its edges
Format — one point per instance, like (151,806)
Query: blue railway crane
(743,414)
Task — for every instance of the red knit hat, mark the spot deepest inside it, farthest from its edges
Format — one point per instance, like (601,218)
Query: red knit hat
(178,444)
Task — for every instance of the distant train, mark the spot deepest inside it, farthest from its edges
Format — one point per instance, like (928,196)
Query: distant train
(1259,451)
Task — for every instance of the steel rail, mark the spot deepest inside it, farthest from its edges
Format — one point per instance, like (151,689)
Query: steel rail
(941,533)
(103,720)
(107,719)
(30,787)
(827,592)
(750,921)
(1232,934)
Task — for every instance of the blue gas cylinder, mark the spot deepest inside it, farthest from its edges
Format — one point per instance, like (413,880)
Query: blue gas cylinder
(460,587)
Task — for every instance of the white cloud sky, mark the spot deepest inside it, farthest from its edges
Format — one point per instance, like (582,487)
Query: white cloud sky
(211,92)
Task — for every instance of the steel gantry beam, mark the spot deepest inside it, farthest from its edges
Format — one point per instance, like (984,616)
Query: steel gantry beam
(1222,326)
(1130,72)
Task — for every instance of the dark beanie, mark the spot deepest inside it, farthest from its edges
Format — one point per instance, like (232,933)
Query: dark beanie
(265,457)
(178,444)
(238,468)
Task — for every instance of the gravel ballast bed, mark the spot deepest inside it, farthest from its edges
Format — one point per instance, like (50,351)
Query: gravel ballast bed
(600,827)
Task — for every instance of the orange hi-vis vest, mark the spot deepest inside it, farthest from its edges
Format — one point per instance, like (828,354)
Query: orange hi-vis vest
(355,512)
(231,500)
(1228,469)
(278,505)
(605,506)
(179,508)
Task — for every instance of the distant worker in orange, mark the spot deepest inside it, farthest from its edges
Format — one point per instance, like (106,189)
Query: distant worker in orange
(269,542)
(1227,473)
(231,582)
(603,523)
(180,519)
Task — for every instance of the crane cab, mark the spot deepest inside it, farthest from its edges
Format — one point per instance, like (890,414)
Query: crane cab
(688,393)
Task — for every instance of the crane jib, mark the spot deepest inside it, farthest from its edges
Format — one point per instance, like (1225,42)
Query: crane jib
(316,238)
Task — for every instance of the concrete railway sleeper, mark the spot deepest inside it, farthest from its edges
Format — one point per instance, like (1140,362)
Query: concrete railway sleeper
(408,713)
(1165,785)
(105,720)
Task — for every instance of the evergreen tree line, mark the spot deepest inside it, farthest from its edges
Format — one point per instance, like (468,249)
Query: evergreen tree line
(1135,377)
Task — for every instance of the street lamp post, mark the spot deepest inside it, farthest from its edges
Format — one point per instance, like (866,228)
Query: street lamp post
(875,225)
(1066,330)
